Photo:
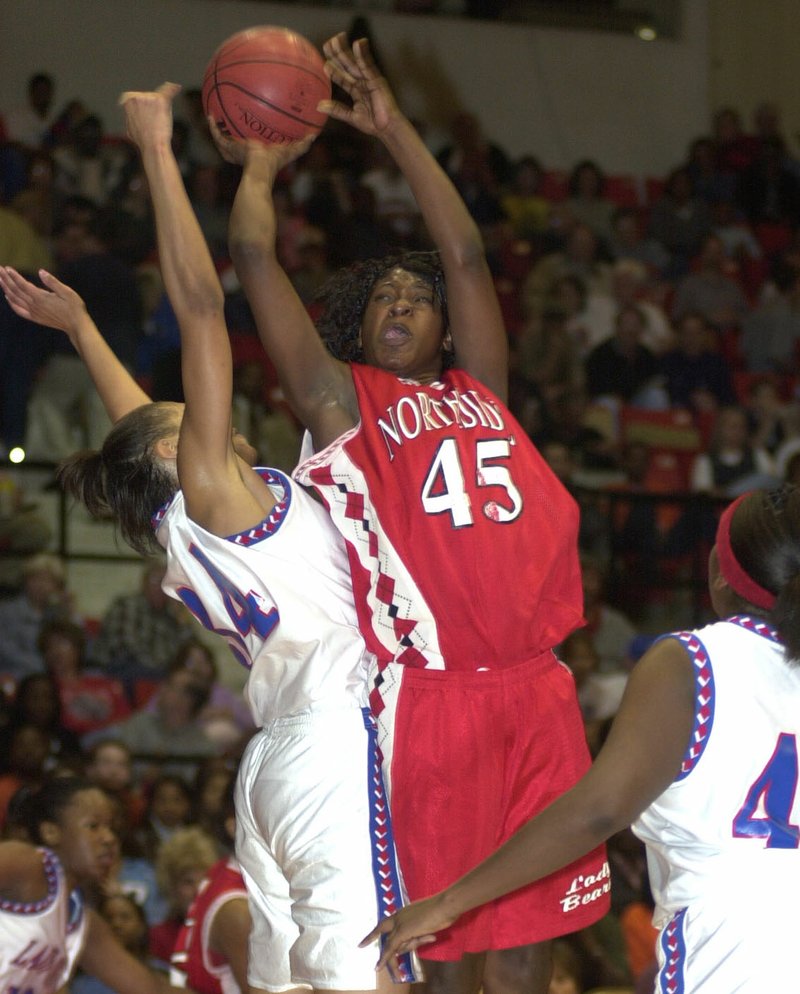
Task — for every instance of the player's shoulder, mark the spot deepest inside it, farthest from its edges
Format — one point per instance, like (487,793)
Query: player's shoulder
(27,874)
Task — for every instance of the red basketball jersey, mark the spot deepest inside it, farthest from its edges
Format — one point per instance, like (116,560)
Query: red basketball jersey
(193,964)
(462,542)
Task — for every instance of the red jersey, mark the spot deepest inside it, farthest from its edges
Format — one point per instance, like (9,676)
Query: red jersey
(194,965)
(462,541)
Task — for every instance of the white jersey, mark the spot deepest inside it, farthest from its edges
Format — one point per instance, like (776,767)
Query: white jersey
(40,942)
(313,836)
(291,568)
(722,840)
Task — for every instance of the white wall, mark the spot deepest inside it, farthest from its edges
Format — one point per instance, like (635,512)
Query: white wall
(560,95)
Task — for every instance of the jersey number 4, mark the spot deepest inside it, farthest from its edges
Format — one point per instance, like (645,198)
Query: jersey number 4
(445,491)
(767,809)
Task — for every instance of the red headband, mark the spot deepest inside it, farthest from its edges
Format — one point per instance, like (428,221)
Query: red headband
(739,581)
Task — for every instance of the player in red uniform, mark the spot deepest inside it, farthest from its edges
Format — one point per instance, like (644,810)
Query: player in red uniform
(210,954)
(463,545)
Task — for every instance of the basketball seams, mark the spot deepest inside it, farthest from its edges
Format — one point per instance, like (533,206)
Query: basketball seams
(298,66)
(266,83)
(219,88)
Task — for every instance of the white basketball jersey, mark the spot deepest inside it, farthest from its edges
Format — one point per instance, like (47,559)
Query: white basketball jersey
(722,840)
(41,942)
(281,596)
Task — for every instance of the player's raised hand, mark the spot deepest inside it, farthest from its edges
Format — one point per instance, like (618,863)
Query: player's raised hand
(353,69)
(56,306)
(257,155)
(148,114)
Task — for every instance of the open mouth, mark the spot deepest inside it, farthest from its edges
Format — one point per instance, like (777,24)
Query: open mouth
(395,332)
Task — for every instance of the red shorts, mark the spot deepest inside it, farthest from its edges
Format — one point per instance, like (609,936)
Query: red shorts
(471,757)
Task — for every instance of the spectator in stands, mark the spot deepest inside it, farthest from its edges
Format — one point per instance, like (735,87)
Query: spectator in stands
(44,597)
(36,201)
(524,206)
(736,235)
(171,733)
(25,753)
(580,257)
(770,336)
(313,270)
(629,286)
(28,124)
(362,234)
(769,192)
(226,718)
(272,431)
(126,919)
(25,528)
(109,766)
(732,465)
(212,784)
(629,242)
(141,632)
(735,150)
(131,872)
(169,808)
(611,630)
(210,208)
(709,183)
(20,353)
(621,368)
(588,315)
(395,206)
(695,374)
(711,289)
(599,694)
(593,532)
(469,148)
(87,165)
(64,401)
(182,862)
(201,150)
(21,246)
(587,202)
(547,354)
(89,701)
(37,703)
(771,421)
(679,221)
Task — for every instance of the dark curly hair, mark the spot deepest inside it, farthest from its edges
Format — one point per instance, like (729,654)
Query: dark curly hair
(345,296)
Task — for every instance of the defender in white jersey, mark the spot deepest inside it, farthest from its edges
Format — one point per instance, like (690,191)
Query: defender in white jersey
(258,561)
(703,755)
(46,930)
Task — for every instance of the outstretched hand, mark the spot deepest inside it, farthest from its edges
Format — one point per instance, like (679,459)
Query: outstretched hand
(148,115)
(56,306)
(354,71)
(407,929)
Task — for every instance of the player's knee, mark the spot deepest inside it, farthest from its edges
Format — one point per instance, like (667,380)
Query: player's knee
(463,976)
(521,970)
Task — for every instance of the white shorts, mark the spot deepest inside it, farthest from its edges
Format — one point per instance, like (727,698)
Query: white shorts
(314,844)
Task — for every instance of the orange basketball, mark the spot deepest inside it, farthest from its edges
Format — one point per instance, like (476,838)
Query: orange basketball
(265,83)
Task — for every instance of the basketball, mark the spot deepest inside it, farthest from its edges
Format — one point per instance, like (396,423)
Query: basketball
(265,83)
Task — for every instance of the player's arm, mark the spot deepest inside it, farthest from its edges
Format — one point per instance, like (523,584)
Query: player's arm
(318,387)
(208,468)
(476,324)
(58,306)
(104,957)
(229,934)
(639,760)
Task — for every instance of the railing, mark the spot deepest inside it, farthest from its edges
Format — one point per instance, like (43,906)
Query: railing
(77,538)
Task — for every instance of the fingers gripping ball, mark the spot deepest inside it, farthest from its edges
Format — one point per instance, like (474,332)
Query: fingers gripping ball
(265,83)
